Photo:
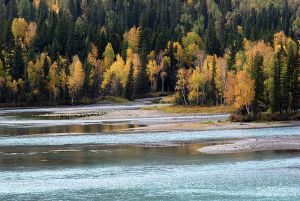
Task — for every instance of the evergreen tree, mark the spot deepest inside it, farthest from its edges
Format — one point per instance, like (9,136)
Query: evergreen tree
(286,18)
(212,43)
(61,29)
(290,64)
(8,42)
(129,87)
(295,86)
(18,66)
(213,88)
(142,80)
(258,76)
(276,90)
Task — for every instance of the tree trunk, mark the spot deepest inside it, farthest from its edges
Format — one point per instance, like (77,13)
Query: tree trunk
(184,99)
(247,108)
(72,101)
(14,99)
(50,98)
(162,85)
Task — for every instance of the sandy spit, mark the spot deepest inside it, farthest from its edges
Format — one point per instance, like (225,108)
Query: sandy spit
(254,145)
(210,125)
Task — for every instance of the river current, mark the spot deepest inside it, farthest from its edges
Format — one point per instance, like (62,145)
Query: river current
(96,162)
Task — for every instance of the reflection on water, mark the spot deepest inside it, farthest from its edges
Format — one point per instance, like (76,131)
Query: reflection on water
(146,173)
(85,155)
(89,154)
(163,138)
(56,129)
(140,166)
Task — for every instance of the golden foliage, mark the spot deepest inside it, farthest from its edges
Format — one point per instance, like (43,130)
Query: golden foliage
(96,65)
(153,72)
(239,90)
(132,38)
(117,69)
(53,77)
(192,38)
(109,56)
(179,52)
(196,81)
(76,77)
(229,92)
(222,67)
(244,90)
(182,84)
(19,28)
(30,33)
(35,72)
(133,59)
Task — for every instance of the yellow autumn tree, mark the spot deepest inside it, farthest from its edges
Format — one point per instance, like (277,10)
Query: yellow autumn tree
(53,81)
(208,67)
(36,74)
(153,72)
(165,63)
(230,84)
(19,28)
(192,38)
(182,86)
(191,53)
(108,56)
(196,82)
(180,55)
(30,33)
(76,77)
(133,59)
(96,71)
(132,38)
(118,73)
(268,53)
(222,67)
(240,90)
(244,91)
(280,39)
(63,78)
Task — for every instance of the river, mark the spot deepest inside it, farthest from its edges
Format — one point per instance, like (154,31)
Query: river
(95,161)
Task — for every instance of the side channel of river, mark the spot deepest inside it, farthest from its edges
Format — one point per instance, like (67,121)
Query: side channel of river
(90,161)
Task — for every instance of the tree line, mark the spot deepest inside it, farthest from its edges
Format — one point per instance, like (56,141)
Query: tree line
(209,52)
(263,77)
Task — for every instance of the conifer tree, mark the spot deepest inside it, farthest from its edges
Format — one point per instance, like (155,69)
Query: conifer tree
(276,95)
(18,66)
(258,77)
(129,87)
(142,81)
(213,89)
(295,86)
(212,43)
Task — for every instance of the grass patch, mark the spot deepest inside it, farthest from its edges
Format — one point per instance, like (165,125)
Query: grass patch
(112,99)
(179,109)
(265,117)
(168,99)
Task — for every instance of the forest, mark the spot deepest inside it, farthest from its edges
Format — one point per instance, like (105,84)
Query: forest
(244,53)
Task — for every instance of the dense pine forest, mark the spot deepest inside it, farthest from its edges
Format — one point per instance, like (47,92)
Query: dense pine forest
(207,52)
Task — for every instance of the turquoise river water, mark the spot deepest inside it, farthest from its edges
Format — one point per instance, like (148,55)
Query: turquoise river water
(48,163)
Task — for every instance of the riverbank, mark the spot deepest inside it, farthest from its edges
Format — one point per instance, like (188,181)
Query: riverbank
(212,125)
(255,145)
(148,116)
